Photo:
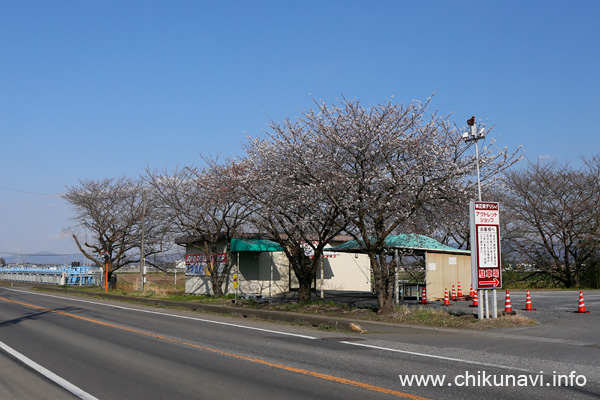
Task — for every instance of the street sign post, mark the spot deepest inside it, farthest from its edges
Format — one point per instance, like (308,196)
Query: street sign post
(486,270)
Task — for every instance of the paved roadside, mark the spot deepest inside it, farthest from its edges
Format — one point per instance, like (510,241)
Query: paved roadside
(554,312)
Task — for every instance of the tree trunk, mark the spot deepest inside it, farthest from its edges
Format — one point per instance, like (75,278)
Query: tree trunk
(385,303)
(109,282)
(305,279)
(217,284)
(304,292)
(384,283)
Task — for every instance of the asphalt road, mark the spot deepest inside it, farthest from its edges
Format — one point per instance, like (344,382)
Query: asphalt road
(110,350)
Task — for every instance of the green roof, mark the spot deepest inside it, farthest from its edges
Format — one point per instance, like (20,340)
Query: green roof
(405,241)
(238,245)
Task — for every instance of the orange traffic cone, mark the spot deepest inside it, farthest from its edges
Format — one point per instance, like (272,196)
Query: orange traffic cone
(459,294)
(528,306)
(475,300)
(424,297)
(446,299)
(453,294)
(581,309)
(471,292)
(508,305)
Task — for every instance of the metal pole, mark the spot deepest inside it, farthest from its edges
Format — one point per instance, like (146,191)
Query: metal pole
(396,283)
(237,267)
(106,280)
(474,132)
(142,257)
(322,281)
(271,278)
(478,177)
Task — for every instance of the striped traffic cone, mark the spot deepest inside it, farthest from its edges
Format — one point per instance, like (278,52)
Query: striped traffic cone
(581,308)
(471,292)
(475,300)
(459,294)
(528,306)
(508,305)
(453,294)
(446,299)
(424,297)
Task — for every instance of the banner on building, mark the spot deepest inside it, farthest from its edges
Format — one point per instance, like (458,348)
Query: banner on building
(197,264)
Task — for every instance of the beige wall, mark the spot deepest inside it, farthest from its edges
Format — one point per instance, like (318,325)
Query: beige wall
(340,272)
(444,270)
(268,274)
(263,274)
(346,271)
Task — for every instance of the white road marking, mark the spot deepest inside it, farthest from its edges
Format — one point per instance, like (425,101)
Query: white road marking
(433,356)
(169,315)
(47,373)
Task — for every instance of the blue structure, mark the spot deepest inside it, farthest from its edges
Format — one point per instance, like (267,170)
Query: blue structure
(55,275)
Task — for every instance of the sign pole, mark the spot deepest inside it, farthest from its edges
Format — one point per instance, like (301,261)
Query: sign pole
(494,304)
(481,295)
(486,273)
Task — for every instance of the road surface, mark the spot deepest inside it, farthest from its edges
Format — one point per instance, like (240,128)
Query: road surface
(95,349)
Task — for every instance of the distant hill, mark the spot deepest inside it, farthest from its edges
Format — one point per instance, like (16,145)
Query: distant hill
(43,257)
(50,258)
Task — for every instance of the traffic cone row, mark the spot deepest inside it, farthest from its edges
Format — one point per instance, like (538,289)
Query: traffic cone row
(507,302)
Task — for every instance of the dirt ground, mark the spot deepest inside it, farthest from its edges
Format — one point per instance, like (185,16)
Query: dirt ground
(160,278)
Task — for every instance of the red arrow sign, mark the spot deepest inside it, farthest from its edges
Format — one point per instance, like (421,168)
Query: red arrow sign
(494,283)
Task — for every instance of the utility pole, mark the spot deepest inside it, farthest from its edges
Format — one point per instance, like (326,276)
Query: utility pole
(106,257)
(142,254)
(483,294)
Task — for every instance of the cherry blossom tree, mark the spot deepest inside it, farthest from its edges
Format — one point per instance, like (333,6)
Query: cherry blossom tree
(376,168)
(285,191)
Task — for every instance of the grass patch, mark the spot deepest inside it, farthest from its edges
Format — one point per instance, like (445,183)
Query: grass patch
(421,315)
(404,314)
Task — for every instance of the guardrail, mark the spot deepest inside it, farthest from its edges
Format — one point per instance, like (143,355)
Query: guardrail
(49,277)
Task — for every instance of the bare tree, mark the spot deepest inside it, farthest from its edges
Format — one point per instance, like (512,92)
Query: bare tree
(108,221)
(205,204)
(383,165)
(448,221)
(553,222)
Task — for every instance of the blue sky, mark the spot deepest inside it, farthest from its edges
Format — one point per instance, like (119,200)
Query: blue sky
(95,89)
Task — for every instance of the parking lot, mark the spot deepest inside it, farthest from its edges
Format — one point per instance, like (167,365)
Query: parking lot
(554,312)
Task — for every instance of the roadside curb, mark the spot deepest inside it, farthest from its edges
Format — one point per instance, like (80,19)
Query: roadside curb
(316,321)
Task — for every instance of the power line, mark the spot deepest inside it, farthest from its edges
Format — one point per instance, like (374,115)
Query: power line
(29,192)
